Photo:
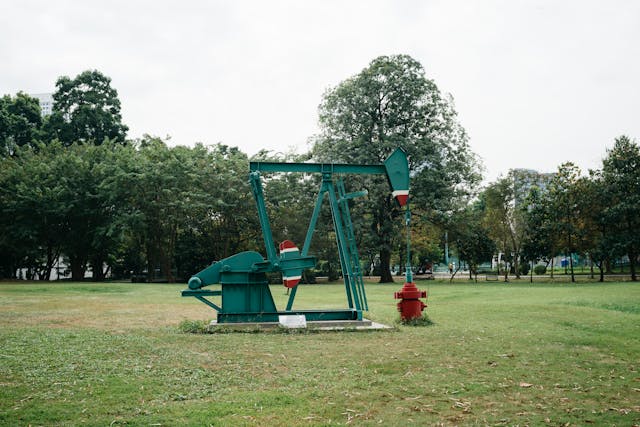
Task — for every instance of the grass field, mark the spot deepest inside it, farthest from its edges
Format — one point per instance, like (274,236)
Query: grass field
(497,354)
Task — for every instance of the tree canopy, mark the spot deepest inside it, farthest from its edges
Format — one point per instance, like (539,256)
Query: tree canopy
(86,109)
(20,122)
(621,177)
(392,104)
(73,188)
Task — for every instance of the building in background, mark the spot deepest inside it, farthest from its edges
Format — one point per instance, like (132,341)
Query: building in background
(46,102)
(525,179)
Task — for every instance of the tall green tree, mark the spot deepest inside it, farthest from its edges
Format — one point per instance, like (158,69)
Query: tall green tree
(565,194)
(391,104)
(86,109)
(540,240)
(20,122)
(504,219)
(186,207)
(159,185)
(33,209)
(94,206)
(598,240)
(471,238)
(621,177)
(221,216)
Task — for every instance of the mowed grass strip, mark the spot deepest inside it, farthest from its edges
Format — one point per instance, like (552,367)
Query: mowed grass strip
(497,354)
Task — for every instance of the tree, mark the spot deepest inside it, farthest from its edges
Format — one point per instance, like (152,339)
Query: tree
(159,186)
(94,206)
(85,110)
(392,104)
(598,241)
(471,238)
(20,122)
(186,207)
(539,237)
(221,216)
(621,177)
(504,219)
(564,193)
(33,209)
(425,241)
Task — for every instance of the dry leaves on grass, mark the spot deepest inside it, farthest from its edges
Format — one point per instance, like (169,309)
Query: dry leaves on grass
(461,404)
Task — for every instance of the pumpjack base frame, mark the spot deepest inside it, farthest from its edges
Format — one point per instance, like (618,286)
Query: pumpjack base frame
(267,311)
(320,325)
(310,315)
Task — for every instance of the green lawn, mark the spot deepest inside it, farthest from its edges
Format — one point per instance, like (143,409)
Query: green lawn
(497,354)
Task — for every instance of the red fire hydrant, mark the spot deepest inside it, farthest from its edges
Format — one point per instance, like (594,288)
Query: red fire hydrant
(410,307)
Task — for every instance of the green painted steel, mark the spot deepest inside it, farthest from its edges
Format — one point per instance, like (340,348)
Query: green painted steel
(330,168)
(307,241)
(343,250)
(247,298)
(407,219)
(201,292)
(397,169)
(353,258)
(256,187)
(310,315)
(245,293)
(209,303)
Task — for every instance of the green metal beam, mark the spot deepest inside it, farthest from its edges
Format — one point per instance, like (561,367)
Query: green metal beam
(343,250)
(310,315)
(201,292)
(331,168)
(307,240)
(209,303)
(256,187)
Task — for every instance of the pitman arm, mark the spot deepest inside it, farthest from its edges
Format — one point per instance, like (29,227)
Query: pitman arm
(248,262)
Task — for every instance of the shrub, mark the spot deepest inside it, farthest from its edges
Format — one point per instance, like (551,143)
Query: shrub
(193,327)
(420,321)
(540,269)
(309,276)
(524,268)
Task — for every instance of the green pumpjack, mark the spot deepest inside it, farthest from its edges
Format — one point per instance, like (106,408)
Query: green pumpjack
(244,285)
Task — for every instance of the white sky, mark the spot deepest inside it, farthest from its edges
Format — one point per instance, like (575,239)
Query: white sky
(536,83)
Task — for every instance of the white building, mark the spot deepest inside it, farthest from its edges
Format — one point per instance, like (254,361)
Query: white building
(46,102)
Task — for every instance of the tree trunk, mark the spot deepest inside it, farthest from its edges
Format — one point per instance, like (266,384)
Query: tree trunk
(385,266)
(573,278)
(78,268)
(607,265)
(531,273)
(601,268)
(150,267)
(455,272)
(552,260)
(632,264)
(516,257)
(52,258)
(98,273)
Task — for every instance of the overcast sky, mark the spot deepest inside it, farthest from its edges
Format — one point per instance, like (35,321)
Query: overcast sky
(535,83)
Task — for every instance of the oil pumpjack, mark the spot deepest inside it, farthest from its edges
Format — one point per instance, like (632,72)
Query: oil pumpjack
(244,286)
